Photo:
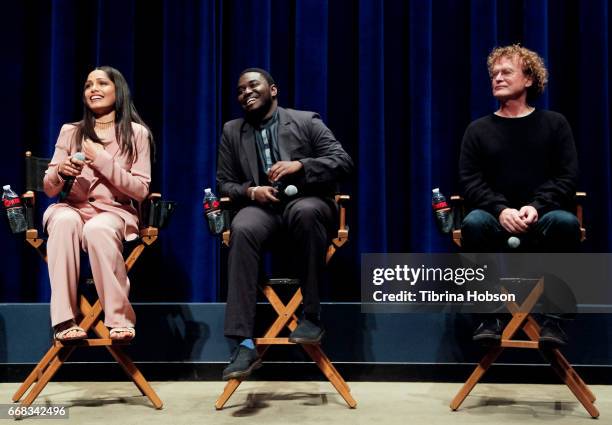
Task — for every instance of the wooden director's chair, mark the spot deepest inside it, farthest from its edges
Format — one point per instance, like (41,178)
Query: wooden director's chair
(522,319)
(288,319)
(91,320)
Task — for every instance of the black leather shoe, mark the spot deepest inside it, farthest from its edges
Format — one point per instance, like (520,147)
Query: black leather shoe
(489,331)
(244,361)
(551,334)
(306,332)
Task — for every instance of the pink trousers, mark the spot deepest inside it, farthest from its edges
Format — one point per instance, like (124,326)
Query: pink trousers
(101,236)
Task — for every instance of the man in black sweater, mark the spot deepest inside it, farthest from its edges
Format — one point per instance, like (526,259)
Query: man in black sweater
(518,169)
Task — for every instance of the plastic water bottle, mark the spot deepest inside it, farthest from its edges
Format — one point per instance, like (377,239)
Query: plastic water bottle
(14,210)
(214,215)
(441,210)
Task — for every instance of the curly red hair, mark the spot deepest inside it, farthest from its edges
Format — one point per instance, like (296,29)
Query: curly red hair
(532,64)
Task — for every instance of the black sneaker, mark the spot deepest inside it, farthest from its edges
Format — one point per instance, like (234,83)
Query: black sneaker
(489,331)
(551,334)
(244,361)
(306,332)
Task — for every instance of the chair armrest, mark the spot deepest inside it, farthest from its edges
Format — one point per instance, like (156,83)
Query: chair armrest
(580,198)
(226,205)
(147,209)
(457,210)
(343,231)
(342,200)
(29,201)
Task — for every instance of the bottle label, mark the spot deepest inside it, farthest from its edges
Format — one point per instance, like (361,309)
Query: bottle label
(440,205)
(11,202)
(215,204)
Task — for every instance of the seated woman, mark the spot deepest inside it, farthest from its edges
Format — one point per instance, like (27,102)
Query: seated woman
(97,214)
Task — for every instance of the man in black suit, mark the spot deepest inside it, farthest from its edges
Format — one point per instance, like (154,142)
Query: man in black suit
(273,146)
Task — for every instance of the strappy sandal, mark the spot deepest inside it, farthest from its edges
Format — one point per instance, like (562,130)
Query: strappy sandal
(129,334)
(63,334)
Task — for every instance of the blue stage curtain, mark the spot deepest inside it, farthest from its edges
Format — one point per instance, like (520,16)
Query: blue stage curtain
(396,81)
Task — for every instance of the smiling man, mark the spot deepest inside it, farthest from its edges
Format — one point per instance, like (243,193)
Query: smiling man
(269,148)
(518,170)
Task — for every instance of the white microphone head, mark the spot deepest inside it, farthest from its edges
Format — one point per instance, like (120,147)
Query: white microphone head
(80,156)
(514,242)
(291,190)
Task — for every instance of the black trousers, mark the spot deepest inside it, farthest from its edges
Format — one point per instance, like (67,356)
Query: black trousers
(307,222)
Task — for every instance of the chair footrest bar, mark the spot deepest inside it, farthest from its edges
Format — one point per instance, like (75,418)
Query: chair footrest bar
(273,341)
(283,281)
(519,344)
(90,342)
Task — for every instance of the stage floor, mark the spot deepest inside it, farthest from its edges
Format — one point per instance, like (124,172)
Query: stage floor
(270,403)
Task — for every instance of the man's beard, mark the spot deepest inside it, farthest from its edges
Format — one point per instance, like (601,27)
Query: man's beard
(257,115)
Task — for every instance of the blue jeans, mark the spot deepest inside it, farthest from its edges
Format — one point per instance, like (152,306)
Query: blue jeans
(555,231)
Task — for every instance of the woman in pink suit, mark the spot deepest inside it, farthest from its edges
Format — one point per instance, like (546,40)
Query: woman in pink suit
(98,213)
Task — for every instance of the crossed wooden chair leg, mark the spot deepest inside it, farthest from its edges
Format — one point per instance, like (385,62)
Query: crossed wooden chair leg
(60,351)
(287,318)
(522,319)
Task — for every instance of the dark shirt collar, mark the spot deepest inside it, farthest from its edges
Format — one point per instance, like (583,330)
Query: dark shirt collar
(269,122)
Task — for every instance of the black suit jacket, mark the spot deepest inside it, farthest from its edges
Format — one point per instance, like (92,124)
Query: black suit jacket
(302,136)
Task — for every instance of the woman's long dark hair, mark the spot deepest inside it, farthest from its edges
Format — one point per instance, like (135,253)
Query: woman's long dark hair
(125,114)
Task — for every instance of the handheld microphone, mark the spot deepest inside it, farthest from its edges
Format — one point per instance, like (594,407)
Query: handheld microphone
(69,181)
(291,190)
(285,191)
(513,242)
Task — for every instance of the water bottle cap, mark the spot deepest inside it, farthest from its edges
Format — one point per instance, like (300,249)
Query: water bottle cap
(207,190)
(436,190)
(6,187)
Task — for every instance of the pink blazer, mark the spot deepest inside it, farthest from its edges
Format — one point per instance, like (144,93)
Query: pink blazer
(110,183)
